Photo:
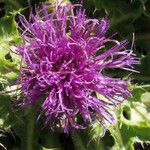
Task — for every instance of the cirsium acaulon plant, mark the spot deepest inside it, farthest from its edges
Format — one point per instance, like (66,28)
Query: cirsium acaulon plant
(61,64)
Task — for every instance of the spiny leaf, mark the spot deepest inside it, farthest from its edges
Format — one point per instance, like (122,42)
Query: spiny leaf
(8,35)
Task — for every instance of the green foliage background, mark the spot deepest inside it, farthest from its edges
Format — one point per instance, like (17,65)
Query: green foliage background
(19,131)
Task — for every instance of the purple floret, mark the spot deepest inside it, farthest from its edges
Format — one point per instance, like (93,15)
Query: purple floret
(61,67)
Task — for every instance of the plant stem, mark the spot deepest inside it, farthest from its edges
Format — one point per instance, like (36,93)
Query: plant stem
(142,86)
(30,132)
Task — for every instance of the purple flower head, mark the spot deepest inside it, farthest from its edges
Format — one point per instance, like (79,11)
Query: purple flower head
(61,64)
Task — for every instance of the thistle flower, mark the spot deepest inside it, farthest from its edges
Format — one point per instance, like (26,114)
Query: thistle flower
(61,64)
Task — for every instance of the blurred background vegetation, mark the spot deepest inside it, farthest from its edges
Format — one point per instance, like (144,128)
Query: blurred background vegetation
(132,131)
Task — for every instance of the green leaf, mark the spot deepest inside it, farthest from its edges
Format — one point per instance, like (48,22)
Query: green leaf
(89,138)
(50,140)
(11,6)
(5,108)
(7,26)
(133,123)
(8,36)
(145,98)
(25,128)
